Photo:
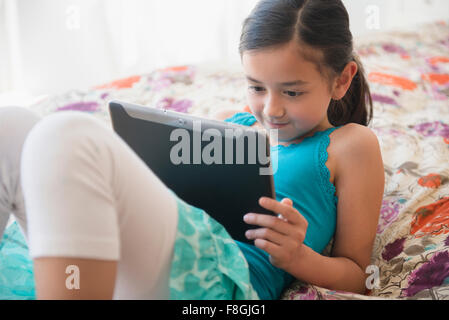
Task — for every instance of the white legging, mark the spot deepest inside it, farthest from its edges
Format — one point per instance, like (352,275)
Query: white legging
(86,194)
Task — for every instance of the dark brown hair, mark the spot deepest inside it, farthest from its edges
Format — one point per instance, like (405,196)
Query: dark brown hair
(315,24)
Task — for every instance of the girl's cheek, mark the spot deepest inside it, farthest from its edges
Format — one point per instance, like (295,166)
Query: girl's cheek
(255,104)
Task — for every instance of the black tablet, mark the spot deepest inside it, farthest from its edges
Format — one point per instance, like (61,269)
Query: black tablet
(220,167)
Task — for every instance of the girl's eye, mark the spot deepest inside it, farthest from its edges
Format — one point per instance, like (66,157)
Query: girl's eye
(289,93)
(293,93)
(257,89)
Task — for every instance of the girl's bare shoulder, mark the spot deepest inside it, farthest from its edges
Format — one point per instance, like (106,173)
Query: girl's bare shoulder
(351,135)
(349,141)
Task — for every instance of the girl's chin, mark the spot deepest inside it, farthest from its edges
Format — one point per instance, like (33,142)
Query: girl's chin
(283,134)
(283,137)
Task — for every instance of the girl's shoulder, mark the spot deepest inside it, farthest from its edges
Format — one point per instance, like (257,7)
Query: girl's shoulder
(346,142)
(351,134)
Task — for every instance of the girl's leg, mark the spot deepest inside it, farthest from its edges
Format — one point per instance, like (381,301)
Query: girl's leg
(93,206)
(15,124)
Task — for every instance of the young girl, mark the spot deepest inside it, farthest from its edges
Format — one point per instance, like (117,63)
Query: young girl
(93,206)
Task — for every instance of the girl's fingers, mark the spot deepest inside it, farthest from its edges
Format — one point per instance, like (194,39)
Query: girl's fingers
(271,248)
(267,234)
(287,201)
(277,255)
(269,221)
(286,210)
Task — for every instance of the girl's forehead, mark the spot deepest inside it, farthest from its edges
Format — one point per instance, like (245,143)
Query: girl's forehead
(284,63)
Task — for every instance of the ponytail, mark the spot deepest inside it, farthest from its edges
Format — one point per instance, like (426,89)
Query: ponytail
(357,105)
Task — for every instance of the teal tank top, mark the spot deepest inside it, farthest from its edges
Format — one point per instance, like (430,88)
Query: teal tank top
(303,177)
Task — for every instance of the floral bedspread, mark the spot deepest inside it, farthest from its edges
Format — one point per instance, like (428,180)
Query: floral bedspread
(408,74)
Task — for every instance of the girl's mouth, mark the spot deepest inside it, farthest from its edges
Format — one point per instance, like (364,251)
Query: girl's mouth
(276,125)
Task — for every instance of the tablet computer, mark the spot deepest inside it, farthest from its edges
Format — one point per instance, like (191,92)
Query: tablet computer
(220,167)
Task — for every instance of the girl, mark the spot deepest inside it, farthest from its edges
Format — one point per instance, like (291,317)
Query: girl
(93,206)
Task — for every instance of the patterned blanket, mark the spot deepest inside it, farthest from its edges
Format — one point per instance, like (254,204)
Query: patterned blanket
(408,74)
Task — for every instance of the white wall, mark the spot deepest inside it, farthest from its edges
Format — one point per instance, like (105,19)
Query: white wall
(88,42)
(49,46)
(393,14)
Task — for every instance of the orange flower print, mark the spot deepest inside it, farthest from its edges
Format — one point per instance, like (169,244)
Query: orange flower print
(435,60)
(432,219)
(436,78)
(175,68)
(120,84)
(392,80)
(432,180)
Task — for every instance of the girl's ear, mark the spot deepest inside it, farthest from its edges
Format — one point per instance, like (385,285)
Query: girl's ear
(343,82)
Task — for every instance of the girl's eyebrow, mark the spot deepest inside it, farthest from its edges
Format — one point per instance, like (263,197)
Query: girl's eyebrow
(285,84)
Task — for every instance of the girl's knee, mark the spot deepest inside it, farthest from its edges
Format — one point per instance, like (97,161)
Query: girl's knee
(16,113)
(63,139)
(15,123)
(63,129)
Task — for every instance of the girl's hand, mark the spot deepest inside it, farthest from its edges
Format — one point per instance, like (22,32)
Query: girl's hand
(282,237)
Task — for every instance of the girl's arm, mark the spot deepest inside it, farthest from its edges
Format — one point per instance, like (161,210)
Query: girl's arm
(359,182)
(360,186)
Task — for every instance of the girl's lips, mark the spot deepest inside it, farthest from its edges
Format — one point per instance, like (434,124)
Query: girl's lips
(276,125)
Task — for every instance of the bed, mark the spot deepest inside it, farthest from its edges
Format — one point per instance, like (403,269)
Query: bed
(408,72)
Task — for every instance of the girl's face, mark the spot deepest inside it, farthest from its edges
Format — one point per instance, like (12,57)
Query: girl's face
(287,90)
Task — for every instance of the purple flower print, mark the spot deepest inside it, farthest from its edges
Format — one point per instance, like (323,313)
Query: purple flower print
(370,50)
(436,128)
(393,249)
(171,104)
(310,294)
(394,132)
(164,78)
(159,84)
(388,213)
(383,99)
(445,42)
(392,48)
(436,69)
(431,274)
(80,106)
(446,242)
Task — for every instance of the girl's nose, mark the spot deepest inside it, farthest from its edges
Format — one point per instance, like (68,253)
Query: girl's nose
(273,108)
